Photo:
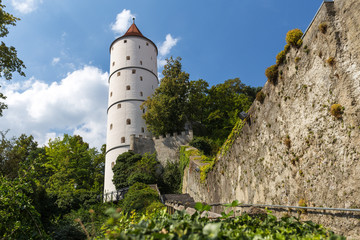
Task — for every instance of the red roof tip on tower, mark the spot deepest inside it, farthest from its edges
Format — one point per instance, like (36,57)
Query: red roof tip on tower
(133,30)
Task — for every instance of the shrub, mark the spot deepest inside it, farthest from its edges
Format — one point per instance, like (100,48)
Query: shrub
(272,73)
(323,27)
(139,197)
(201,143)
(260,96)
(287,48)
(337,110)
(280,57)
(299,43)
(293,37)
(331,61)
(171,178)
(297,59)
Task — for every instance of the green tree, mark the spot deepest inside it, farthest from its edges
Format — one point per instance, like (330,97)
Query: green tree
(165,109)
(74,170)
(18,216)
(123,168)
(9,62)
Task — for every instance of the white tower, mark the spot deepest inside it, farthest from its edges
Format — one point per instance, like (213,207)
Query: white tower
(133,77)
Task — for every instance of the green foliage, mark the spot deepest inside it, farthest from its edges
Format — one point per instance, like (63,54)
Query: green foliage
(260,96)
(8,55)
(293,37)
(18,216)
(231,138)
(165,110)
(183,226)
(123,168)
(337,110)
(201,143)
(272,73)
(139,197)
(280,58)
(323,27)
(171,178)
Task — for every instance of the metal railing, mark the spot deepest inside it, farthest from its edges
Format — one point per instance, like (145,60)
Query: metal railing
(115,195)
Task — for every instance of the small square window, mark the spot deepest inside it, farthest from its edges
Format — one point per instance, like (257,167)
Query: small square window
(141,78)
(125,41)
(127,57)
(140,62)
(128,121)
(133,71)
(128,87)
(118,74)
(123,140)
(147,44)
(119,106)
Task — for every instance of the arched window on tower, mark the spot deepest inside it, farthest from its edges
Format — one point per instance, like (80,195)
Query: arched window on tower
(140,62)
(147,44)
(133,71)
(141,94)
(125,41)
(110,94)
(127,57)
(118,74)
(142,129)
(128,87)
(119,105)
(111,126)
(128,121)
(113,63)
(123,140)
(141,78)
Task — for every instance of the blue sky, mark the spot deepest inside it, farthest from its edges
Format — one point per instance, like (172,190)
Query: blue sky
(65,46)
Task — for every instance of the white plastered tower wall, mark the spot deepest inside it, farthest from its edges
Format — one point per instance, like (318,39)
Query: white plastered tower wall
(133,77)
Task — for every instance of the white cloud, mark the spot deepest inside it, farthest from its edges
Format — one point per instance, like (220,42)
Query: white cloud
(25,6)
(75,105)
(123,22)
(55,61)
(166,46)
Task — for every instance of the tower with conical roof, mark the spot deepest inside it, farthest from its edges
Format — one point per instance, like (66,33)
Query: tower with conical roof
(133,77)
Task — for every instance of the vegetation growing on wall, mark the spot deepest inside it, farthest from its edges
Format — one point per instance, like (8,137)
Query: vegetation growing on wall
(337,110)
(293,38)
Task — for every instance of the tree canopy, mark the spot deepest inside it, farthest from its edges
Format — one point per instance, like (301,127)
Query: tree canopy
(9,61)
(211,111)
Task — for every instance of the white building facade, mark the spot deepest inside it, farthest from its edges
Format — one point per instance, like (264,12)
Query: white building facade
(133,77)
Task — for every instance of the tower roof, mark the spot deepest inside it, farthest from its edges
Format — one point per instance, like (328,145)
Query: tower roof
(133,30)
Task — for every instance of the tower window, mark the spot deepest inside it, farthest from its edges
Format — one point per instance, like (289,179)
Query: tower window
(113,63)
(110,94)
(111,126)
(125,41)
(127,57)
(142,130)
(128,121)
(112,165)
(140,62)
(123,140)
(144,110)
(139,46)
(133,71)
(147,44)
(128,87)
(119,105)
(141,78)
(141,94)
(118,74)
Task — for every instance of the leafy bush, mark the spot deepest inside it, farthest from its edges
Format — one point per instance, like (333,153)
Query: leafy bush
(260,96)
(280,58)
(323,27)
(142,177)
(293,37)
(183,226)
(337,110)
(139,197)
(171,178)
(201,143)
(331,61)
(272,73)
(123,168)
